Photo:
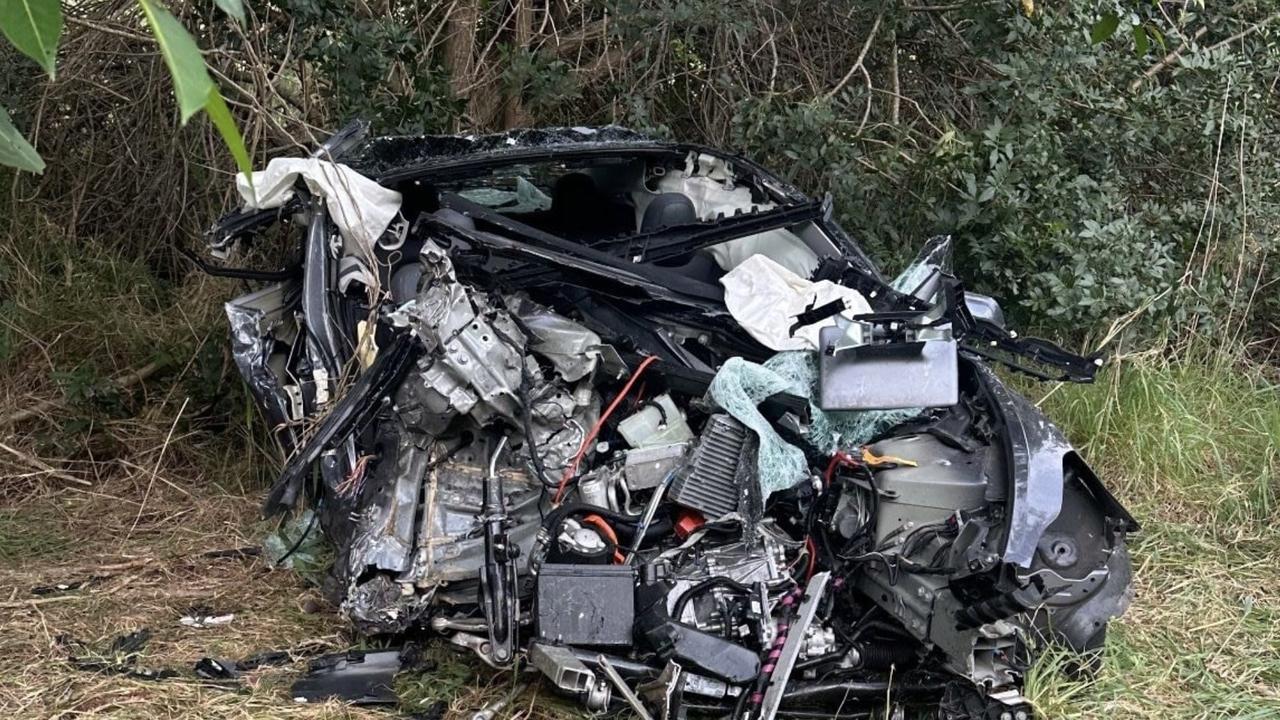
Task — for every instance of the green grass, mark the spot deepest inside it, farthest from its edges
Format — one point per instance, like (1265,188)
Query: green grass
(27,536)
(1191,447)
(1201,433)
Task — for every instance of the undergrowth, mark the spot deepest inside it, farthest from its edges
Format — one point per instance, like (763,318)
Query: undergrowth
(1190,446)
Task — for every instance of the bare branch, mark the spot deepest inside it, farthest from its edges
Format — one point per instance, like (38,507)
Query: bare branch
(1166,61)
(857,64)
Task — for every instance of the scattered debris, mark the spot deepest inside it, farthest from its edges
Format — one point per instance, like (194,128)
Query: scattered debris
(358,677)
(216,669)
(200,616)
(58,588)
(641,415)
(222,669)
(120,657)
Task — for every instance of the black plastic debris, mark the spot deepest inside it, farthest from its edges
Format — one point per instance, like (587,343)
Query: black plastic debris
(203,616)
(210,668)
(120,657)
(357,677)
(58,588)
(213,668)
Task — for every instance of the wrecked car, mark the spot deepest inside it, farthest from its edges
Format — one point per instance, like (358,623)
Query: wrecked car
(640,416)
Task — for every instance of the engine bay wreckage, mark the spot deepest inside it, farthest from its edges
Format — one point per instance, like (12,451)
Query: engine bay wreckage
(639,415)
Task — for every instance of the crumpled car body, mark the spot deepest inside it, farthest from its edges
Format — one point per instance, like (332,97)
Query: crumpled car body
(641,415)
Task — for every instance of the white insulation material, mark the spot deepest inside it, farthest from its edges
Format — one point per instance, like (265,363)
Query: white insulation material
(765,298)
(361,208)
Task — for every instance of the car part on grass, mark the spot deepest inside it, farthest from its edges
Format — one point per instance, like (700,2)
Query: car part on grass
(120,657)
(59,588)
(355,676)
(219,669)
(568,674)
(642,414)
(201,616)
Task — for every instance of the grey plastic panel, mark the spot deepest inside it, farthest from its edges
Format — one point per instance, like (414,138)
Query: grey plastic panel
(853,381)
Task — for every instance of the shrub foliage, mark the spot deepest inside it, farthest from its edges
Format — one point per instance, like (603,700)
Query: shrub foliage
(1096,161)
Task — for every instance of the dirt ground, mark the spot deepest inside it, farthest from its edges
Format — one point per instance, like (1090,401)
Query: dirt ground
(152,521)
(164,540)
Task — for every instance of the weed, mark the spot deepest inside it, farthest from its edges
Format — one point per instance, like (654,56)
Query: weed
(1190,445)
(27,536)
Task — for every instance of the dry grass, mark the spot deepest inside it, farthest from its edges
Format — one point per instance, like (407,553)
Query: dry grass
(151,568)
(145,479)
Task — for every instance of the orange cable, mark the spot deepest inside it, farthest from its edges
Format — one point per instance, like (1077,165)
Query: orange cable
(603,526)
(595,430)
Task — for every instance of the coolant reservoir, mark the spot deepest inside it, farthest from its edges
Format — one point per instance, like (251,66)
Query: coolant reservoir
(660,422)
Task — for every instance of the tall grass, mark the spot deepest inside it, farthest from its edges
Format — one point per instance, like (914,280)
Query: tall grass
(1190,444)
(76,316)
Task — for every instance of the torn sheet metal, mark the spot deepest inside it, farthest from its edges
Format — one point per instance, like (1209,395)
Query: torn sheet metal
(572,349)
(474,361)
(260,322)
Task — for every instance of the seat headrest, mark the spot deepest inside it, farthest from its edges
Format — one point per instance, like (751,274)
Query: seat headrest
(666,210)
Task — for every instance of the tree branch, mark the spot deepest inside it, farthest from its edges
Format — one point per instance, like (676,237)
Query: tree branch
(1166,61)
(857,64)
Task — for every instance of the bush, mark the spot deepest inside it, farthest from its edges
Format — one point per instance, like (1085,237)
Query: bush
(1085,179)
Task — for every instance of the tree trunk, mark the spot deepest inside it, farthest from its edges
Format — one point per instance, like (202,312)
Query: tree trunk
(460,50)
(514,114)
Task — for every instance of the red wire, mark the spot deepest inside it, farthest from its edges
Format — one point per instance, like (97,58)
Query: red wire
(595,430)
(838,459)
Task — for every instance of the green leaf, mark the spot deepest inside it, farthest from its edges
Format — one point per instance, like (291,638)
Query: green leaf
(33,26)
(15,151)
(226,125)
(1140,43)
(191,83)
(1154,33)
(192,86)
(1104,28)
(234,8)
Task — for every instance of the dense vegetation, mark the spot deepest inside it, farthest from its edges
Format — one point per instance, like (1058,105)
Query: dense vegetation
(1109,169)
(1084,178)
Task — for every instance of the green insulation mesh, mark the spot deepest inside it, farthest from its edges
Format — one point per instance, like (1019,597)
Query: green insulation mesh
(739,386)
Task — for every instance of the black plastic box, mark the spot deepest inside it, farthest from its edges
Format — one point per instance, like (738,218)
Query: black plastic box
(586,604)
